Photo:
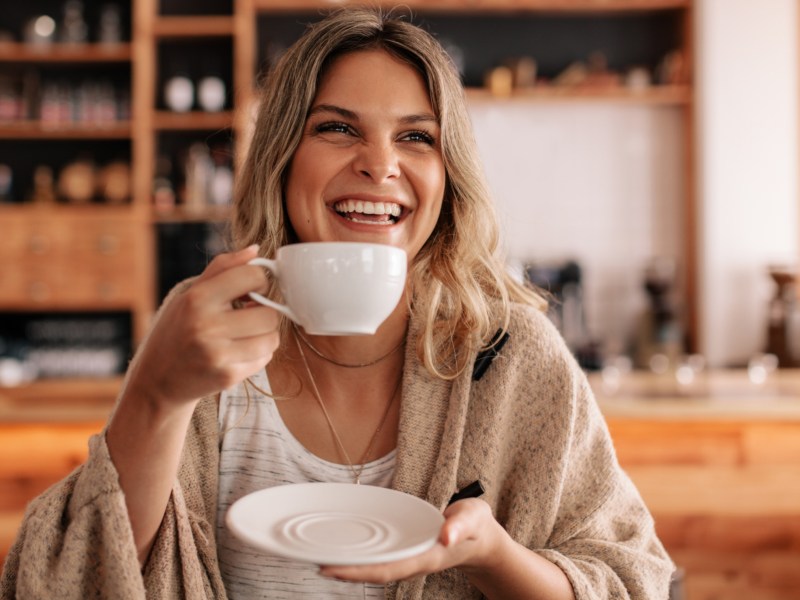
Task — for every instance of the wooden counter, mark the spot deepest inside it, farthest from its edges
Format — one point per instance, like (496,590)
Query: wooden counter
(44,429)
(55,402)
(718,464)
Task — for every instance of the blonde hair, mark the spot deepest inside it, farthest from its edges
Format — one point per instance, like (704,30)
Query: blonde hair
(458,281)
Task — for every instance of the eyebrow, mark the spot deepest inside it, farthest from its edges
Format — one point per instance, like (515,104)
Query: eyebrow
(349,114)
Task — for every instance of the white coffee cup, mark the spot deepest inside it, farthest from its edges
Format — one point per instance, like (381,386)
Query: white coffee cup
(337,288)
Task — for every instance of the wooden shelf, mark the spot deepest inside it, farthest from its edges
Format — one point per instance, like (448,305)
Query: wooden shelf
(195,120)
(61,209)
(65,53)
(181,214)
(37,130)
(193,27)
(482,5)
(676,95)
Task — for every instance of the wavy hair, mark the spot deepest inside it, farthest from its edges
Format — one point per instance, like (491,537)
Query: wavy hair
(458,282)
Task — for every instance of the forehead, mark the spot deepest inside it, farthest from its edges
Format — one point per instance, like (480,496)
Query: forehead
(373,77)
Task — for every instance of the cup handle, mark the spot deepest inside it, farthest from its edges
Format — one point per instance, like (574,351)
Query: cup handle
(272,267)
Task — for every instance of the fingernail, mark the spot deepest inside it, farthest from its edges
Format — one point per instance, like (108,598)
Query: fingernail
(452,536)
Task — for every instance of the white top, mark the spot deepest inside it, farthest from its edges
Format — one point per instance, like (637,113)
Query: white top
(258,451)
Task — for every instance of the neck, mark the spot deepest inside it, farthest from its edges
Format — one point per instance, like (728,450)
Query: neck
(359,353)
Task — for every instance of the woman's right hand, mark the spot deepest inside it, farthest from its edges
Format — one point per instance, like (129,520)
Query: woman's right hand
(200,344)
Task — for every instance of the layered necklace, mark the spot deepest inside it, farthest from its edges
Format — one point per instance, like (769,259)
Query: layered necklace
(355,470)
(310,346)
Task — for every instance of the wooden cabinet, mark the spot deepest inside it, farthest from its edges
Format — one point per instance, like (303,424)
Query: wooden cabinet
(67,260)
(717,461)
(725,495)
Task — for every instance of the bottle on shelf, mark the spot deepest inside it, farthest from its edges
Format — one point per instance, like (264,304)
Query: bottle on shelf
(74,29)
(110,25)
(6,184)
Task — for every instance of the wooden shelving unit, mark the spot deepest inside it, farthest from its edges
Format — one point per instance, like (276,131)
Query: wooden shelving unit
(150,124)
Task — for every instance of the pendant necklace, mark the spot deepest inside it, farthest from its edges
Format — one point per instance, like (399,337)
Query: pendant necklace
(364,457)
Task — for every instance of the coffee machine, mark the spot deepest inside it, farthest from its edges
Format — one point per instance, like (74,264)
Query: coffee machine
(562,280)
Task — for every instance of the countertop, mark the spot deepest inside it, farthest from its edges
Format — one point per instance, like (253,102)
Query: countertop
(54,401)
(715,394)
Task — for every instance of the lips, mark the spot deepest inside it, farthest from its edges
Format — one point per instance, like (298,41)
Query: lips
(365,211)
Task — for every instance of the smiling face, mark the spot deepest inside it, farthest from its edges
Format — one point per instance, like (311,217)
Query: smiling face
(369,165)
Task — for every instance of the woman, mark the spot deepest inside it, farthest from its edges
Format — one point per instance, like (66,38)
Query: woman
(363,135)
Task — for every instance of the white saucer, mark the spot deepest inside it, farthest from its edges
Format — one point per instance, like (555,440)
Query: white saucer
(335,523)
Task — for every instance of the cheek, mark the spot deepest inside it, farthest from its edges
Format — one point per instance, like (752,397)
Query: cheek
(435,185)
(300,186)
(297,212)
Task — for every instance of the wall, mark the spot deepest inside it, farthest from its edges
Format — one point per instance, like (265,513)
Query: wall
(599,182)
(747,53)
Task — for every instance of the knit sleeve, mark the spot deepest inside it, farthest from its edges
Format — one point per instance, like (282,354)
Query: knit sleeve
(76,542)
(615,552)
(605,538)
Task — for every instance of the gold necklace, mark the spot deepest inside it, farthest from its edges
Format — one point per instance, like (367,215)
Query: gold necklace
(311,347)
(364,457)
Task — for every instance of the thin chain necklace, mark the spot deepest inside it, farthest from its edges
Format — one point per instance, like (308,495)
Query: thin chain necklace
(364,457)
(311,347)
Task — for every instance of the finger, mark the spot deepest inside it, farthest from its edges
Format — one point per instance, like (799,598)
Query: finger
(432,560)
(240,360)
(229,284)
(225,261)
(250,321)
(259,348)
(380,573)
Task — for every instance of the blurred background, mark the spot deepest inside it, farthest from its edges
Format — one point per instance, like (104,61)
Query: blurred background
(643,157)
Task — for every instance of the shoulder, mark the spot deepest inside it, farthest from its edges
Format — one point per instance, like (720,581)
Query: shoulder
(529,320)
(534,370)
(535,341)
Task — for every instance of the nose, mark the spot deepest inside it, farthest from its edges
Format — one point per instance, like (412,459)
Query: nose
(378,162)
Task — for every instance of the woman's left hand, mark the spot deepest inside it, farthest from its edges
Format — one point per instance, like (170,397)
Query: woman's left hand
(469,538)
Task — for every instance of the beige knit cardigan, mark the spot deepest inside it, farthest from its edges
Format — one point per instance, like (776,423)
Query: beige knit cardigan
(529,429)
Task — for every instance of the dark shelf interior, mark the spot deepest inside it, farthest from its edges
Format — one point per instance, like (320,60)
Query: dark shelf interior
(485,41)
(15,16)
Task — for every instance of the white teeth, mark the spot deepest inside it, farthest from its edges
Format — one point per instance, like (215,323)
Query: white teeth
(368,208)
